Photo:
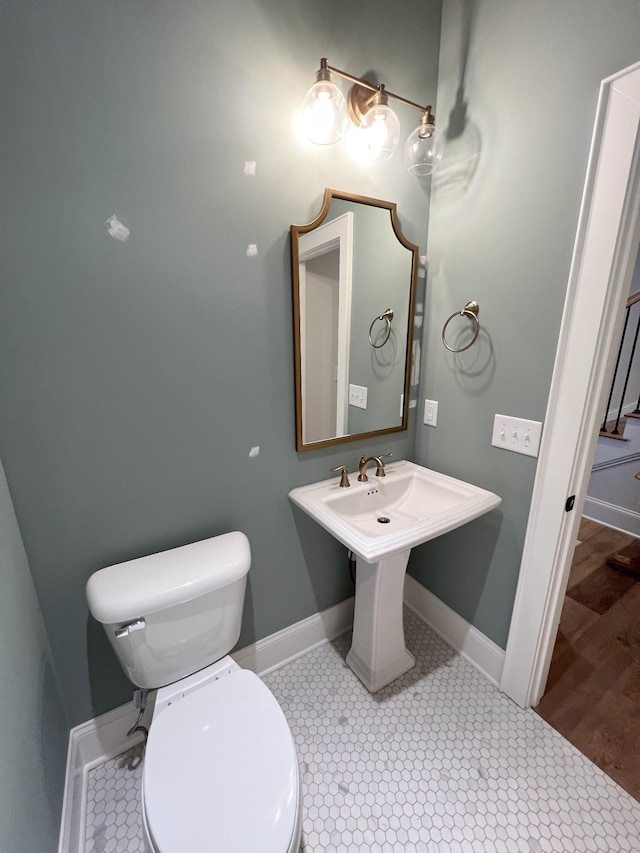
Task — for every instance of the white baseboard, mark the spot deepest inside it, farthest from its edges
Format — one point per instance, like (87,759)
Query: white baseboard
(612,516)
(91,743)
(296,640)
(623,459)
(480,651)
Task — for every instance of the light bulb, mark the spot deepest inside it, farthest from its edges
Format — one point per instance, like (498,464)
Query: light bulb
(324,113)
(379,133)
(423,149)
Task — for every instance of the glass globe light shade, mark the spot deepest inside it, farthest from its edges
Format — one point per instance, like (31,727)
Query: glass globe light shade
(423,150)
(324,113)
(379,133)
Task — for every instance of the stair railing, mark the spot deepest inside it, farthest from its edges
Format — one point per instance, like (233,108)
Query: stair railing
(631,301)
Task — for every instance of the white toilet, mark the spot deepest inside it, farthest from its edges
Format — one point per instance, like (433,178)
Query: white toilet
(220,770)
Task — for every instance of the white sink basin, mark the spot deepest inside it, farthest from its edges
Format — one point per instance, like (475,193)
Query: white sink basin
(386,515)
(380,521)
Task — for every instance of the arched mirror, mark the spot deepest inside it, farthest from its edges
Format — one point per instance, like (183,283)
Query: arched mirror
(354,283)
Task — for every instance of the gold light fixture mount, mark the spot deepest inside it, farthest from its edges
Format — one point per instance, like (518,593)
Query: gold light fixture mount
(359,99)
(427,124)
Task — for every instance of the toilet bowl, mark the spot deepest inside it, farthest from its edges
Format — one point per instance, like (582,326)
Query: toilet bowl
(228,737)
(220,770)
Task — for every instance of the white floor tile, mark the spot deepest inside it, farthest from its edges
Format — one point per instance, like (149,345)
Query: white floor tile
(438,762)
(112,807)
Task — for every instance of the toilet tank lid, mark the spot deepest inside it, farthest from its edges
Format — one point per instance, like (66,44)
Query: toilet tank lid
(135,588)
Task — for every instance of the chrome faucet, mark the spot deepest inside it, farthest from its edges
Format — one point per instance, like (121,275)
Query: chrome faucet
(362,466)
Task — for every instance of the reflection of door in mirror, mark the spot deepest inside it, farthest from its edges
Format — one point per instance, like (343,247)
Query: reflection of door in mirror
(325,273)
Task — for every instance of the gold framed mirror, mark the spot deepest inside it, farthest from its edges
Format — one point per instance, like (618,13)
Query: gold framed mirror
(354,288)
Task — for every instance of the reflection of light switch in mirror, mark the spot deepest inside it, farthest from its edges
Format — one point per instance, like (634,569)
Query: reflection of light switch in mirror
(358,396)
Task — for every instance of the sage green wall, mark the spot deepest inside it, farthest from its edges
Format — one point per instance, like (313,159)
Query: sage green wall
(33,724)
(135,377)
(518,88)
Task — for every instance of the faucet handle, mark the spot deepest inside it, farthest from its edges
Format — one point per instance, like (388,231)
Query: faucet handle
(344,480)
(380,469)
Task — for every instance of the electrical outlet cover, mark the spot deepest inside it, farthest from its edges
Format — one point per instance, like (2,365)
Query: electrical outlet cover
(431,412)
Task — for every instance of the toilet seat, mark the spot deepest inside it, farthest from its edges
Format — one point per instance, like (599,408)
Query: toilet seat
(220,772)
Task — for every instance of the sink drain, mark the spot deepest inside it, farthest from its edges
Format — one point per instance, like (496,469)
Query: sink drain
(383,519)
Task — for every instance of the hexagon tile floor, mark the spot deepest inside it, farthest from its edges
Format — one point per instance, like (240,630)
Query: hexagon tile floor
(438,762)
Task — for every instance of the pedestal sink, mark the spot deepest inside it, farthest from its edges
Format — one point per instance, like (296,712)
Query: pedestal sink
(380,521)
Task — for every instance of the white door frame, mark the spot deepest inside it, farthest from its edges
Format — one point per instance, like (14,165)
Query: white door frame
(335,234)
(604,255)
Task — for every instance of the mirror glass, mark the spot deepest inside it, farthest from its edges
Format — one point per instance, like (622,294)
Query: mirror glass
(354,282)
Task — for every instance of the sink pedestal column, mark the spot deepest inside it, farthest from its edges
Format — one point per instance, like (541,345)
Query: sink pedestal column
(378,654)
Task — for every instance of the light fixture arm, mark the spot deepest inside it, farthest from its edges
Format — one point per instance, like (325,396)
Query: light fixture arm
(359,81)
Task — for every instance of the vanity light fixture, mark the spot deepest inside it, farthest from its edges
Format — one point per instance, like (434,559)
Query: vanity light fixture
(325,112)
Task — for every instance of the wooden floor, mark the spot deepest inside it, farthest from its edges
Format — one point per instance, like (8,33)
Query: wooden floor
(593,692)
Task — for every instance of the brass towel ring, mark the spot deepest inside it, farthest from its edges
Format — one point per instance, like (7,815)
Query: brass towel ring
(387,317)
(470,310)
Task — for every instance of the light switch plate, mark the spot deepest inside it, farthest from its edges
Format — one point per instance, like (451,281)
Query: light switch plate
(358,396)
(516,434)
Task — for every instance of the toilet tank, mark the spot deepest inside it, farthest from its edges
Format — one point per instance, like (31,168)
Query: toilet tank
(172,613)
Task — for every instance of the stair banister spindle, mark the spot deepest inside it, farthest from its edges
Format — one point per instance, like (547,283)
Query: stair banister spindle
(626,380)
(603,428)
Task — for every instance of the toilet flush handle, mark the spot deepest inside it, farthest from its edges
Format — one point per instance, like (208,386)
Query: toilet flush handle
(125,630)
